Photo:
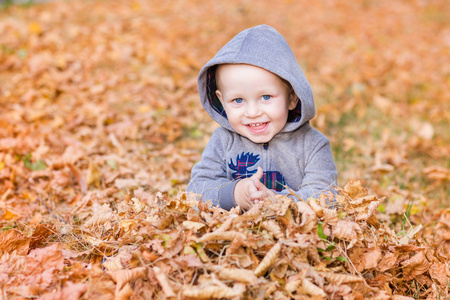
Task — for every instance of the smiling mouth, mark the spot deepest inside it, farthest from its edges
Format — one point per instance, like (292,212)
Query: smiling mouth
(257,127)
(257,124)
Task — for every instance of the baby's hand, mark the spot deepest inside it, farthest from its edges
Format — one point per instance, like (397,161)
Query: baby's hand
(262,193)
(245,188)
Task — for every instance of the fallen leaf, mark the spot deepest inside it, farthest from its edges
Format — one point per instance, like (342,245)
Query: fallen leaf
(12,240)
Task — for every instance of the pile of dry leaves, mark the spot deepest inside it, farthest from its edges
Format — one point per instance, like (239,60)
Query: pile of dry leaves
(148,246)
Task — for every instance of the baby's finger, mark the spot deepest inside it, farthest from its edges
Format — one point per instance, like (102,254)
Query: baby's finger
(246,205)
(252,188)
(258,175)
(259,185)
(271,195)
(256,196)
(265,192)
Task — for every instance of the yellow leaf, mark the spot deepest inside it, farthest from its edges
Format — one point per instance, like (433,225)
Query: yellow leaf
(144,108)
(188,250)
(61,62)
(93,175)
(34,28)
(136,6)
(415,210)
(127,225)
(10,215)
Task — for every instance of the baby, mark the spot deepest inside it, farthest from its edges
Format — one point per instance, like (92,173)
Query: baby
(255,89)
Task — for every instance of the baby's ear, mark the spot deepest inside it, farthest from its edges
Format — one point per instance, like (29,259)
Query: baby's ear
(219,95)
(293,99)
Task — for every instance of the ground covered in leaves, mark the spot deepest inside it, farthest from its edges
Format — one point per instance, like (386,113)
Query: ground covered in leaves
(101,124)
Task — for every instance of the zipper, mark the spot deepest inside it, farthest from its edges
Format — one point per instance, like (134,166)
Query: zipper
(265,163)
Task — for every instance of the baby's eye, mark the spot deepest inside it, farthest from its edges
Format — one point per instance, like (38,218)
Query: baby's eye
(266,97)
(238,100)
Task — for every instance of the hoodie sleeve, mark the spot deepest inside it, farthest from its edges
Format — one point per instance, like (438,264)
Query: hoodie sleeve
(209,176)
(320,174)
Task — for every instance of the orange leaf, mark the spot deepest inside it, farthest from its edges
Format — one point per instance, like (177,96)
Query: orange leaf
(12,240)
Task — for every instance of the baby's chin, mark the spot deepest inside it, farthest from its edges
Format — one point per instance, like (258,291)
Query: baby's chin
(260,139)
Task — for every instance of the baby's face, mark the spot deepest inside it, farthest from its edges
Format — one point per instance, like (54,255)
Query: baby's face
(257,102)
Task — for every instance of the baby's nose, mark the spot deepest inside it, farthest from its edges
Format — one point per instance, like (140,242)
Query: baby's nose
(253,110)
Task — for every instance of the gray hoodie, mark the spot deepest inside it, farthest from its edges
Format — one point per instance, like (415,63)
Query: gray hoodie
(298,157)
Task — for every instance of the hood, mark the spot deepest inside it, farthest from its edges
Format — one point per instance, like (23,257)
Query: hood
(264,47)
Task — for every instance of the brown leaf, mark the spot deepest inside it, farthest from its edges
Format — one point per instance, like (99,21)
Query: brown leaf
(340,290)
(163,282)
(311,289)
(308,217)
(389,261)
(235,274)
(49,258)
(122,277)
(364,259)
(125,293)
(221,236)
(330,216)
(227,224)
(400,297)
(416,265)
(40,234)
(77,173)
(316,207)
(70,291)
(93,175)
(100,215)
(12,240)
(272,227)
(268,259)
(354,189)
(438,271)
(210,292)
(347,230)
(437,173)
(340,279)
(195,226)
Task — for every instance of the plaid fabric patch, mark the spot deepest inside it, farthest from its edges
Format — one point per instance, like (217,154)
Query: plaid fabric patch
(243,162)
(273,180)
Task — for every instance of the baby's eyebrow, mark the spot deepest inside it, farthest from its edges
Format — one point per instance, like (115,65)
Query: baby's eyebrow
(234,95)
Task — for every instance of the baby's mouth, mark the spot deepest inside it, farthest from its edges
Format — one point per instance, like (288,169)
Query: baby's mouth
(257,127)
(257,124)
